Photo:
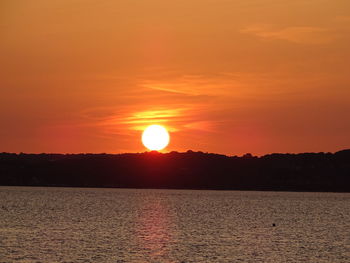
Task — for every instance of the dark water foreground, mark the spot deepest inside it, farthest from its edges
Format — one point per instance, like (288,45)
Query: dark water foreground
(120,225)
(323,172)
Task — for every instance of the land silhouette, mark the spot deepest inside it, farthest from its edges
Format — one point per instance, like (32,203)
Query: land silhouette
(174,170)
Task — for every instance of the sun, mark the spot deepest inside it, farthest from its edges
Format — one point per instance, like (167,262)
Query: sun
(155,137)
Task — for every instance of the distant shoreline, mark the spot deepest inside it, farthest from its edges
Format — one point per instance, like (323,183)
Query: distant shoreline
(305,172)
(174,189)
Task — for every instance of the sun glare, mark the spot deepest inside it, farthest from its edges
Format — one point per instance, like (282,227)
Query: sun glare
(155,137)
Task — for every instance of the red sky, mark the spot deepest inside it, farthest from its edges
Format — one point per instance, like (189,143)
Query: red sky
(224,76)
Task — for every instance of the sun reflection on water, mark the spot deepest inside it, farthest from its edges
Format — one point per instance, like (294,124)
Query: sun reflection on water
(154,231)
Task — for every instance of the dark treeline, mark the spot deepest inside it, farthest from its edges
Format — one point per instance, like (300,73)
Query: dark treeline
(190,170)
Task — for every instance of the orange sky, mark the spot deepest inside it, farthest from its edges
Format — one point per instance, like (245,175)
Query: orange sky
(224,76)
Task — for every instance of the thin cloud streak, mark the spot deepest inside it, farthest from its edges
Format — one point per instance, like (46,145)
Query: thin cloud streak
(296,34)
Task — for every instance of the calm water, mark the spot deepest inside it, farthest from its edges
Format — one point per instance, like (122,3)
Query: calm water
(118,225)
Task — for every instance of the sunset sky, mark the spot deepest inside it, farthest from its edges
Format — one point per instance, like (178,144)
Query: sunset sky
(223,76)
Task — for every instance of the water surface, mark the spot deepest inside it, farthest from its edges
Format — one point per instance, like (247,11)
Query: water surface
(127,225)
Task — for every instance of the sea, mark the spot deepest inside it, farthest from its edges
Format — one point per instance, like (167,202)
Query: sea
(48,225)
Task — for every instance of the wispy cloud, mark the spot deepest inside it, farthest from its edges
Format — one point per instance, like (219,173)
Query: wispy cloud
(189,85)
(123,120)
(203,87)
(185,102)
(296,34)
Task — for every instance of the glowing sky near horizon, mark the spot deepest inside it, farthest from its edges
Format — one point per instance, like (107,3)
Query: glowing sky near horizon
(224,76)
